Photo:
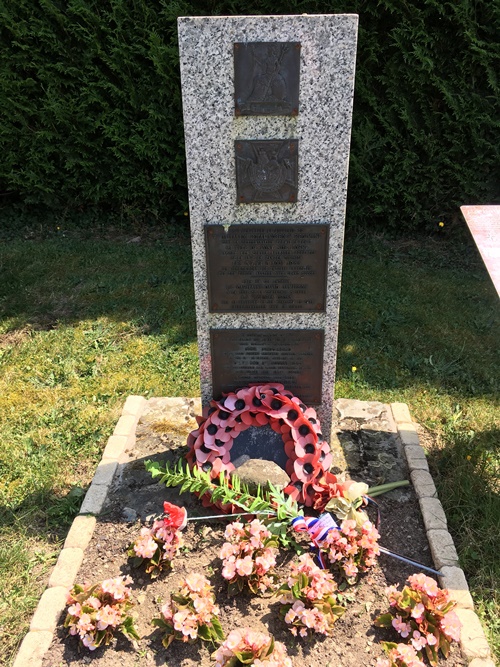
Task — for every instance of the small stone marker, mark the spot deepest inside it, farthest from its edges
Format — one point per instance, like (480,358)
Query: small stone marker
(267,116)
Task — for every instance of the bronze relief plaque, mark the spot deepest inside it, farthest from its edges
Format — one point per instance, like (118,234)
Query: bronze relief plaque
(266,78)
(267,268)
(266,171)
(293,357)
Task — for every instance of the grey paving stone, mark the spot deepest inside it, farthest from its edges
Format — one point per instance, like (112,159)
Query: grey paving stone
(433,514)
(473,640)
(32,649)
(454,580)
(442,548)
(81,532)
(423,484)
(49,609)
(66,568)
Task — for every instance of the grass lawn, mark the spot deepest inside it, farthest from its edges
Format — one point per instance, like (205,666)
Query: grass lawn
(84,322)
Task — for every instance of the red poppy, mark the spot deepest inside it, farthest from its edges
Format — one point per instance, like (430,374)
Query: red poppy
(175,517)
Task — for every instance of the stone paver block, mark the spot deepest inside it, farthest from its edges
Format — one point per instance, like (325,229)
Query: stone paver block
(473,640)
(423,484)
(95,498)
(81,532)
(115,446)
(32,649)
(125,425)
(454,580)
(408,434)
(442,548)
(401,412)
(66,568)
(433,514)
(482,662)
(49,609)
(416,459)
(134,405)
(104,472)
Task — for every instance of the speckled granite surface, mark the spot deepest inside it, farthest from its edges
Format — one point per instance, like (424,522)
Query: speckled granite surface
(323,126)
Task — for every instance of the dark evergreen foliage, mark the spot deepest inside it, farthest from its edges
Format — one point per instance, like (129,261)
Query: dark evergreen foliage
(90,108)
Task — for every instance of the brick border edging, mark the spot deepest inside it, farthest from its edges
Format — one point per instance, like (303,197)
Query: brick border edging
(473,640)
(53,601)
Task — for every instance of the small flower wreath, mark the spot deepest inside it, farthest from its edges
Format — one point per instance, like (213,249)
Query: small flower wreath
(309,456)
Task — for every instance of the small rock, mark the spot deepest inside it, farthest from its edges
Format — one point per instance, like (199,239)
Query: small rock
(259,471)
(129,515)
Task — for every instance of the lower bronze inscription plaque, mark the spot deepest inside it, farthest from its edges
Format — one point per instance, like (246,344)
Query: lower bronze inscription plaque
(293,357)
(266,268)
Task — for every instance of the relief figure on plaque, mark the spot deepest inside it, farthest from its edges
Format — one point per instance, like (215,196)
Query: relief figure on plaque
(266,171)
(267,78)
(268,84)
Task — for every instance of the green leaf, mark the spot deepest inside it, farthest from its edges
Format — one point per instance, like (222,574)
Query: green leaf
(384,621)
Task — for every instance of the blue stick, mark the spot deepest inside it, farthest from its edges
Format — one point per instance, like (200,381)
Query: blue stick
(410,562)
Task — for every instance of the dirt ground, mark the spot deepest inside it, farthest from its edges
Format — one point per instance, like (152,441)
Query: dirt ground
(355,641)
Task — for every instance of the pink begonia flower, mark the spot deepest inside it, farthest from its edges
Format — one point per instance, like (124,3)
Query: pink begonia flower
(421,582)
(117,587)
(93,602)
(383,662)
(431,640)
(108,616)
(196,582)
(418,640)
(89,642)
(450,624)
(244,566)
(166,611)
(145,546)
(228,550)
(229,569)
(85,624)
(303,632)
(418,611)
(75,609)
(401,627)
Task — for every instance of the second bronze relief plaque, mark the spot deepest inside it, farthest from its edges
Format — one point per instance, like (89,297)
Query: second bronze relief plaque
(266,171)
(267,268)
(266,78)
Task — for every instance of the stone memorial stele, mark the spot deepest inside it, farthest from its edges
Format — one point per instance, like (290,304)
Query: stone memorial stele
(267,104)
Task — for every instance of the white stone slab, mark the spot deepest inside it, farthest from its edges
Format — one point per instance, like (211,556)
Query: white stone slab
(323,127)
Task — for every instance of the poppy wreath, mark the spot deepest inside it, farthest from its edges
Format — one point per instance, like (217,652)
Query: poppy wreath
(309,456)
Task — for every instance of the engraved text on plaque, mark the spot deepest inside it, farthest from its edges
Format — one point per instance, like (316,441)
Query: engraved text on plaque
(266,268)
(293,357)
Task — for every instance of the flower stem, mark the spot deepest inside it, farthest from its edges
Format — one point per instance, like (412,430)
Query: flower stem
(384,488)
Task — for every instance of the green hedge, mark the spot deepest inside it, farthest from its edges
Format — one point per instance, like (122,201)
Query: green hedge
(90,110)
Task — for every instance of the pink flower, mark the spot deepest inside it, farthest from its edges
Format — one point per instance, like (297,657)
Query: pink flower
(196,582)
(89,642)
(418,611)
(450,624)
(228,550)
(401,627)
(420,582)
(418,640)
(108,616)
(117,587)
(244,567)
(145,546)
(431,640)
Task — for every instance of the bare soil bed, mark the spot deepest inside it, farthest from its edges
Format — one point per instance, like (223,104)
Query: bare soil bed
(355,641)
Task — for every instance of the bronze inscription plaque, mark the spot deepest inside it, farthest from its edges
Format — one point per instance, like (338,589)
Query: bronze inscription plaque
(266,171)
(266,268)
(266,78)
(293,357)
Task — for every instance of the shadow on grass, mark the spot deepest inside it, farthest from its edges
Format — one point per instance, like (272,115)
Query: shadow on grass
(45,284)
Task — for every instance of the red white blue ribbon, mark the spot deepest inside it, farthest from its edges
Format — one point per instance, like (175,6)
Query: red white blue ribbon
(317,528)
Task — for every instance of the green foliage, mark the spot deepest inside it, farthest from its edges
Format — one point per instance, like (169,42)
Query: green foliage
(91,108)
(225,491)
